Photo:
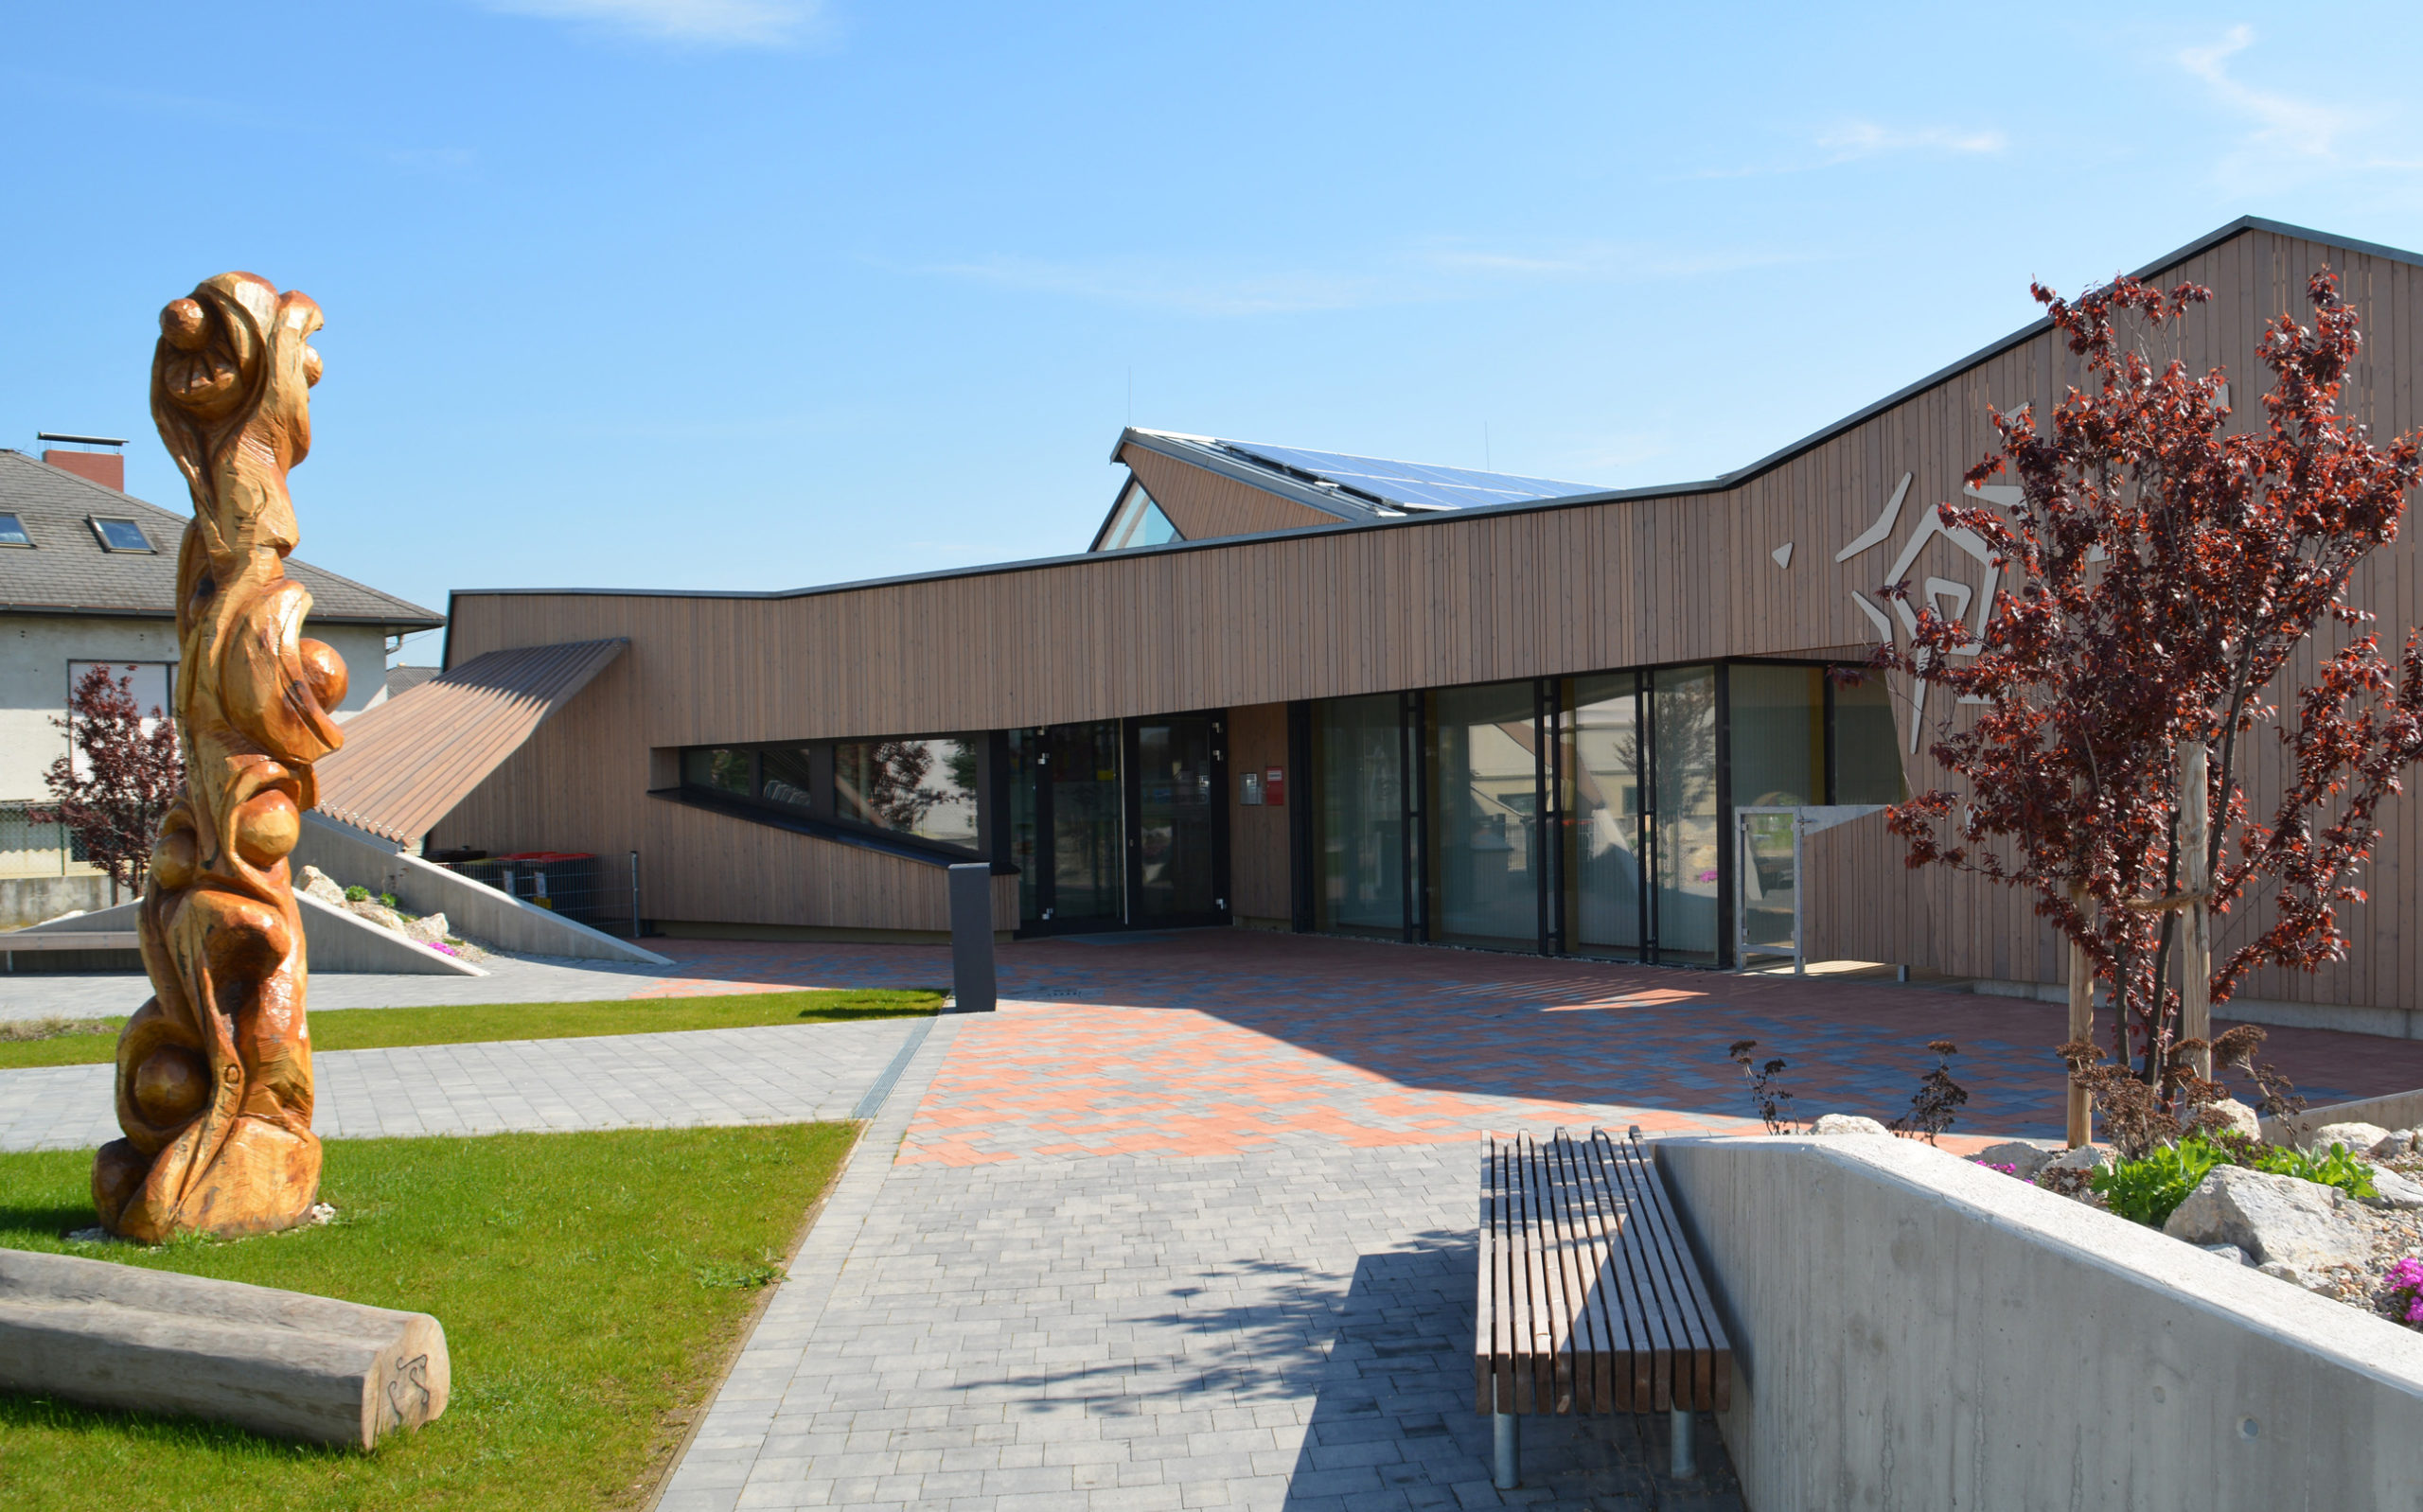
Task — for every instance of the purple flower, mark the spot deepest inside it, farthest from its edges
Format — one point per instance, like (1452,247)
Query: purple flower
(1996,1165)
(2407,1276)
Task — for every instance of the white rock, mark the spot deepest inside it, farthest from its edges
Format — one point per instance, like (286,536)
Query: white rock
(2085,1157)
(318,885)
(2025,1159)
(2401,1142)
(2317,1282)
(2242,1119)
(2396,1192)
(377,913)
(1849,1123)
(2228,1252)
(429,928)
(2278,1220)
(2354,1135)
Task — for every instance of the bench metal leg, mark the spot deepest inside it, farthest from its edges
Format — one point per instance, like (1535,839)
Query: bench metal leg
(1507,1468)
(1679,1460)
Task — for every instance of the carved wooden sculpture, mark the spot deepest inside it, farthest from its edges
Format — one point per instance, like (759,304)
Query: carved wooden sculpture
(214,1073)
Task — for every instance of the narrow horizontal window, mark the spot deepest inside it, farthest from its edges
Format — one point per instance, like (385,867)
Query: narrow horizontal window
(721,768)
(922,788)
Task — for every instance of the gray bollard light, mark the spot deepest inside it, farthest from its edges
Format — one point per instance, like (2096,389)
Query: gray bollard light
(971,937)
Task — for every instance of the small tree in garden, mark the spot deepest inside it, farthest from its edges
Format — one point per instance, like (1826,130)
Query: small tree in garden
(2162,573)
(118,780)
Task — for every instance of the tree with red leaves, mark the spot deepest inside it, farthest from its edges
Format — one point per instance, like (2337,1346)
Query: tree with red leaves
(118,780)
(2163,572)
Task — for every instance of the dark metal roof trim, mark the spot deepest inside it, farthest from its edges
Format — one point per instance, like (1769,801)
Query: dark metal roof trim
(1723,483)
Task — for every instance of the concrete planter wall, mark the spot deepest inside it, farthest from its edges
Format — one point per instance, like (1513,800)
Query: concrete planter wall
(477,912)
(1914,1331)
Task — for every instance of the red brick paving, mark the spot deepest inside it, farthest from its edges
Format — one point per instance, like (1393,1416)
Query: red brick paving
(1211,1041)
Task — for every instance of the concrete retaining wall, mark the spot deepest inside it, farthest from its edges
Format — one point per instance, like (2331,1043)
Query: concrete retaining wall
(474,909)
(1914,1332)
(30,900)
(335,939)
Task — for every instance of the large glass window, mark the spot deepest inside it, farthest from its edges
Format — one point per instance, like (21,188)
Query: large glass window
(922,788)
(1778,732)
(1868,756)
(1485,815)
(1603,898)
(1358,751)
(1689,843)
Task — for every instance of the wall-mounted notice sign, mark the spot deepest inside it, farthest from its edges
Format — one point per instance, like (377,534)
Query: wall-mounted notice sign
(1274,786)
(1249,789)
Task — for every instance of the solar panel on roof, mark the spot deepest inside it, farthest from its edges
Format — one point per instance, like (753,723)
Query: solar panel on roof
(1413,482)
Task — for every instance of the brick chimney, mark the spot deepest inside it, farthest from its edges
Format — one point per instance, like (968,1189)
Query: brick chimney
(108,468)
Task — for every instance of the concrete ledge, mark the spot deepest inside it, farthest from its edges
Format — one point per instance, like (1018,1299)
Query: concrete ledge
(2354,1018)
(283,1363)
(475,909)
(1912,1330)
(338,941)
(2396,1110)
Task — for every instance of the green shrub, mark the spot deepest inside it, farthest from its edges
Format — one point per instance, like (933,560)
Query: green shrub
(356,894)
(2148,1191)
(2339,1168)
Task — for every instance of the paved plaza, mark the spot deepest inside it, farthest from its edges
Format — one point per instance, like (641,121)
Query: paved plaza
(1189,1222)
(787,1073)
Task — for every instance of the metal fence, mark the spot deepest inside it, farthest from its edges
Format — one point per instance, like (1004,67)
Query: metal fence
(36,848)
(602,892)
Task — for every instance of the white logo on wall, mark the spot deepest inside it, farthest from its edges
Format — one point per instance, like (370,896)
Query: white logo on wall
(1952,598)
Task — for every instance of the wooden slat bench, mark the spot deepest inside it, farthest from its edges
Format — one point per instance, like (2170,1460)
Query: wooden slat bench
(1589,1299)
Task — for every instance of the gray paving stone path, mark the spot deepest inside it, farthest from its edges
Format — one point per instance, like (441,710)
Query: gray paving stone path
(778,1074)
(1282,1330)
(510,979)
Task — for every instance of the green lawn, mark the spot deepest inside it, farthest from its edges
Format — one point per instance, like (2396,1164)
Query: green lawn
(591,1286)
(79,1041)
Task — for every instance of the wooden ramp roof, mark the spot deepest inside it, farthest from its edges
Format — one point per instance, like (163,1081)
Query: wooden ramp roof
(408,762)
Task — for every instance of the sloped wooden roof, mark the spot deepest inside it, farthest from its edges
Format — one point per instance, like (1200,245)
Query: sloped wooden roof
(408,762)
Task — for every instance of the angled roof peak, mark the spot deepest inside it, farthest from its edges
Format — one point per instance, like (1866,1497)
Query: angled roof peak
(1352,487)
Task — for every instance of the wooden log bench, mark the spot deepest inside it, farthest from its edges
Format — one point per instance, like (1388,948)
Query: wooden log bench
(1589,1299)
(284,1363)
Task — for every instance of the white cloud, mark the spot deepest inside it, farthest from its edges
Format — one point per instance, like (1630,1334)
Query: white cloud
(701,23)
(1859,139)
(2301,127)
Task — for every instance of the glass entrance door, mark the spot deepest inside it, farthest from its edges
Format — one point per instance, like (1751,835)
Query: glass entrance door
(1081,777)
(1119,824)
(1178,839)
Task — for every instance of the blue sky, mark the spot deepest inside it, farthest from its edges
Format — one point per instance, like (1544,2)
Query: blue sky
(749,294)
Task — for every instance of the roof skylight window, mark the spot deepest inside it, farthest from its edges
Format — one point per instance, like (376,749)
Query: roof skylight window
(12,532)
(121,536)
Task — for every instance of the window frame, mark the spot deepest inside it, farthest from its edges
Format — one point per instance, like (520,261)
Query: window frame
(97,522)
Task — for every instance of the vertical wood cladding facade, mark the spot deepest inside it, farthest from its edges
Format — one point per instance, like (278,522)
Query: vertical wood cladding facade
(1250,623)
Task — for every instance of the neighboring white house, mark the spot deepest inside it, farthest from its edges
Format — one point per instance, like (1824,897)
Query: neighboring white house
(88,575)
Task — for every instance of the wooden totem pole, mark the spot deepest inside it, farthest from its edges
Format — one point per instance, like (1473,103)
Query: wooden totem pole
(214,1073)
